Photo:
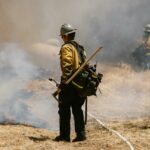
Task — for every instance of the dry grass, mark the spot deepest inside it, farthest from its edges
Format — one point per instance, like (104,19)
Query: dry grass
(125,95)
(24,137)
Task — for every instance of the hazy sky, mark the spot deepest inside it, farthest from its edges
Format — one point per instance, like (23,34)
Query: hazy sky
(116,24)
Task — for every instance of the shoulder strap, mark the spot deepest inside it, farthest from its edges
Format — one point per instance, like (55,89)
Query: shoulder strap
(80,51)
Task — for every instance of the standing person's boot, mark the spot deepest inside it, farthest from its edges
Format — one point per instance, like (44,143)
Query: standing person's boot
(61,138)
(81,136)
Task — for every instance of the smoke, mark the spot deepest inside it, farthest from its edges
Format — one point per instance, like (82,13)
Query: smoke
(125,94)
(16,74)
(115,24)
(48,54)
(35,25)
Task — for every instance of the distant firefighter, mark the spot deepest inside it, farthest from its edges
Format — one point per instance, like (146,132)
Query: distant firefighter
(142,53)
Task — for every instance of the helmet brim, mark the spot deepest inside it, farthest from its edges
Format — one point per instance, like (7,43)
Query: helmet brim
(73,31)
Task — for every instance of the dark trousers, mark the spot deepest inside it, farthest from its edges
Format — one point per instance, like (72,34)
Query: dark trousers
(69,98)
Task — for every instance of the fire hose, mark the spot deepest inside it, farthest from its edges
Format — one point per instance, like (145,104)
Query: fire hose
(99,121)
(112,130)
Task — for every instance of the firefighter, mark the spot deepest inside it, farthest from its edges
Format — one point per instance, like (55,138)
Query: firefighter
(142,53)
(147,36)
(68,97)
(147,46)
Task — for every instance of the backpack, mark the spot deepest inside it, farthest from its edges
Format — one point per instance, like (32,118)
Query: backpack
(87,80)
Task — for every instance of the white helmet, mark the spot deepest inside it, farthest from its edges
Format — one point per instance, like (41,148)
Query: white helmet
(67,29)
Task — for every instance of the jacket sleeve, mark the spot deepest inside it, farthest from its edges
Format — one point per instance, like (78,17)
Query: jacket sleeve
(66,62)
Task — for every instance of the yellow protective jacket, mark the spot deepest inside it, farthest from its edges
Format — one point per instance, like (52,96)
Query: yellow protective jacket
(69,60)
(148,42)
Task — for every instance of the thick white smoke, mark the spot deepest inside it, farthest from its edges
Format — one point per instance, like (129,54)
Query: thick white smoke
(116,24)
(125,94)
(18,99)
(15,70)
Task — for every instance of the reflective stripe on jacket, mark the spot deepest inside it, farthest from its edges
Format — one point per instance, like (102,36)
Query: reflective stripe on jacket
(69,60)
